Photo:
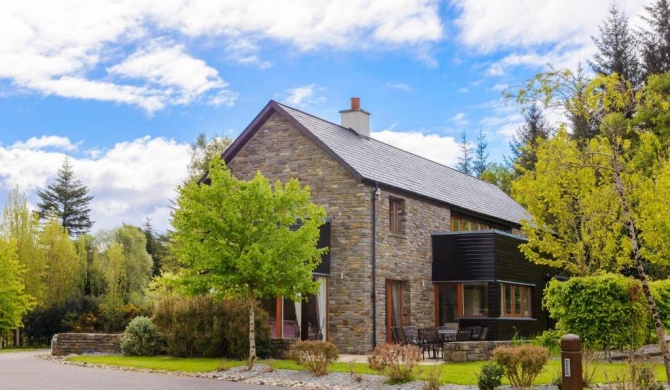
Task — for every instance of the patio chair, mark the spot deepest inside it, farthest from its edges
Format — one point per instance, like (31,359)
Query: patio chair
(484,333)
(411,335)
(395,335)
(430,341)
(476,330)
(446,333)
(463,334)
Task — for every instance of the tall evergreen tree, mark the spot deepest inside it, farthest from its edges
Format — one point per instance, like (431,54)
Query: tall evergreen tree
(584,123)
(465,158)
(155,247)
(524,143)
(617,48)
(480,163)
(68,198)
(656,40)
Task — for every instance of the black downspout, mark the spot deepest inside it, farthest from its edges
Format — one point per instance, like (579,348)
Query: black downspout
(375,193)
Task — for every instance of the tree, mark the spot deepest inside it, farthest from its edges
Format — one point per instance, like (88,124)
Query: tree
(608,201)
(68,198)
(155,247)
(465,158)
(584,124)
(66,270)
(203,151)
(617,48)
(247,239)
(499,175)
(480,163)
(14,301)
(138,263)
(524,143)
(656,41)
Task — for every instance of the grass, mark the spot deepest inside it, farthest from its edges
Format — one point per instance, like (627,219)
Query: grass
(454,373)
(18,350)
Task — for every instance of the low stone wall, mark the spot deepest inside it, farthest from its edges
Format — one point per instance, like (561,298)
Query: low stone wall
(78,343)
(279,347)
(470,351)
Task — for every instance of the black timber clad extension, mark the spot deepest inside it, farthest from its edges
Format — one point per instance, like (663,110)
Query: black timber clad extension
(324,242)
(494,257)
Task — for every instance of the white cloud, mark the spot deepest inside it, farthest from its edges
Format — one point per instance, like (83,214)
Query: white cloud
(46,141)
(63,48)
(459,118)
(398,86)
(441,149)
(525,29)
(463,90)
(129,182)
(303,96)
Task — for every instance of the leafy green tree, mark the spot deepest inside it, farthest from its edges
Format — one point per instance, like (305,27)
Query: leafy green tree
(606,202)
(500,175)
(238,239)
(617,48)
(480,163)
(464,163)
(114,266)
(14,301)
(22,226)
(203,151)
(656,41)
(64,278)
(584,126)
(68,198)
(138,263)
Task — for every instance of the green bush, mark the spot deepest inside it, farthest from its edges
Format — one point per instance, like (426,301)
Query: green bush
(204,327)
(522,364)
(142,338)
(395,361)
(606,311)
(490,376)
(314,355)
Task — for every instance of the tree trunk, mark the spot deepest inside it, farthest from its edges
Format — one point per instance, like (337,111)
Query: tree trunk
(17,337)
(629,222)
(252,329)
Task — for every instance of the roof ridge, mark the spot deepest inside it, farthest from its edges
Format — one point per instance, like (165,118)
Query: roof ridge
(392,146)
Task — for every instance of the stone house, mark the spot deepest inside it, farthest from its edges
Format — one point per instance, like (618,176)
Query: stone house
(412,242)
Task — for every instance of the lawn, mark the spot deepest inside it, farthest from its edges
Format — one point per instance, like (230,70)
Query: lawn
(455,373)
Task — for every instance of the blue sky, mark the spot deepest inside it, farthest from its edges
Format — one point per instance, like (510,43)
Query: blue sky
(122,87)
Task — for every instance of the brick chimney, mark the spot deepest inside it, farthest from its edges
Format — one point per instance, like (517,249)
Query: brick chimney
(355,118)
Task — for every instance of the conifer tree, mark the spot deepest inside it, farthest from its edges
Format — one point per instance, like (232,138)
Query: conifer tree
(480,163)
(465,158)
(524,143)
(68,198)
(617,48)
(656,41)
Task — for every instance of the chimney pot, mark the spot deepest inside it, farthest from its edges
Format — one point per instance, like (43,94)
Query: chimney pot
(355,103)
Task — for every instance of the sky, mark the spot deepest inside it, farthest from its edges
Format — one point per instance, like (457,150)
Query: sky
(122,87)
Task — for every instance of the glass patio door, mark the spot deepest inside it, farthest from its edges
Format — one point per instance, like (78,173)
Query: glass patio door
(393,307)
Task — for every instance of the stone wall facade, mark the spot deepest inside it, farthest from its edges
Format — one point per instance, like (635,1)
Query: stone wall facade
(78,343)
(280,152)
(471,351)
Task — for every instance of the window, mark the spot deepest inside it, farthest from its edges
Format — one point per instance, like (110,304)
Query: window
(455,300)
(460,224)
(475,299)
(396,214)
(515,300)
(393,306)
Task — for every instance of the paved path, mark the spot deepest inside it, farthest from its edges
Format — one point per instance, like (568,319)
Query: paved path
(23,370)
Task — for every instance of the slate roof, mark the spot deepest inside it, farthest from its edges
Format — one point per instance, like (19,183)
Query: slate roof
(374,161)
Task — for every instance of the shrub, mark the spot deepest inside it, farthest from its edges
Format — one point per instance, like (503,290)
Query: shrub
(203,326)
(432,378)
(490,376)
(142,338)
(395,361)
(638,376)
(521,364)
(314,355)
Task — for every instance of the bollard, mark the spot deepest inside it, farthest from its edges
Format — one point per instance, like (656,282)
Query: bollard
(571,362)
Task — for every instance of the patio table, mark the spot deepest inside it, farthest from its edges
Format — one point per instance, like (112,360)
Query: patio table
(447,334)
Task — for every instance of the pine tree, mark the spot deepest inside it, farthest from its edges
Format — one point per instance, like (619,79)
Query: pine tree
(465,158)
(656,42)
(155,247)
(617,48)
(68,199)
(524,144)
(583,122)
(480,163)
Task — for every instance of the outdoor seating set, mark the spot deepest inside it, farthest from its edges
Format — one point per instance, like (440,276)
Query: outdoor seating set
(432,340)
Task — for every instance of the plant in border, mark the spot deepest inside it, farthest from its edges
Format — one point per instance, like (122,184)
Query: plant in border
(142,338)
(490,376)
(396,362)
(521,364)
(314,355)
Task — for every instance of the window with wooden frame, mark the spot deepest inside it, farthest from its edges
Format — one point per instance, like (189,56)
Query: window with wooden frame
(396,215)
(515,300)
(461,224)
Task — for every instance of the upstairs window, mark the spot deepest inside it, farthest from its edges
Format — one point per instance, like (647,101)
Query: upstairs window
(396,215)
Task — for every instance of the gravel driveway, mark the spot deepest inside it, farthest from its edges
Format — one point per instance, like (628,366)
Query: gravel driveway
(23,370)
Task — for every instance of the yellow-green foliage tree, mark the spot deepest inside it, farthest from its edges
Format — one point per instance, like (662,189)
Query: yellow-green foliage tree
(604,206)
(14,301)
(64,269)
(238,238)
